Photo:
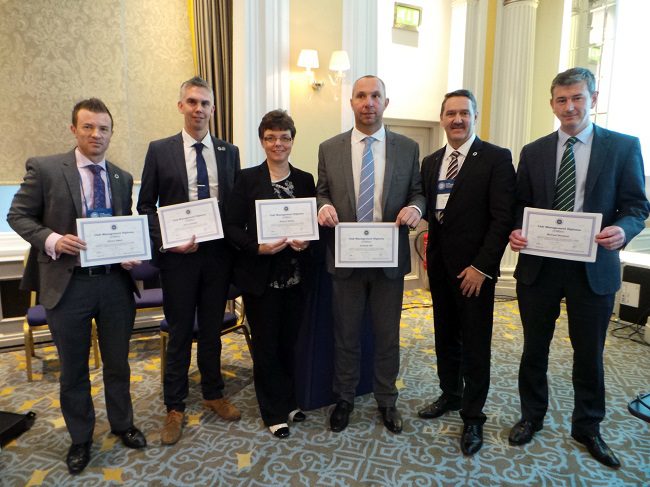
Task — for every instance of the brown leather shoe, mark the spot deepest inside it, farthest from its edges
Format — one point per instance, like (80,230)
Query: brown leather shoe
(173,428)
(223,408)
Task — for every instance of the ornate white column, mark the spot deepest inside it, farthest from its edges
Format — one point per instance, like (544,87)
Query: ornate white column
(360,41)
(512,92)
(261,80)
(474,65)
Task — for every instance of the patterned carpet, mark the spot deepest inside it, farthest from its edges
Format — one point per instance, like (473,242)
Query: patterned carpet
(216,453)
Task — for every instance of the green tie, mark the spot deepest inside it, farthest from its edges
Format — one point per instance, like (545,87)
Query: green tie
(565,186)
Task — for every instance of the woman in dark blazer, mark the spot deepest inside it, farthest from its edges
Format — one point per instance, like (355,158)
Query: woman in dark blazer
(271,276)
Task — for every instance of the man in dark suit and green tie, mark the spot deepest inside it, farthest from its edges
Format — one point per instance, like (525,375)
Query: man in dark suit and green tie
(582,168)
(56,191)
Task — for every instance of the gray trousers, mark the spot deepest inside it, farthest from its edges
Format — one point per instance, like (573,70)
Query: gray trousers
(350,296)
(108,299)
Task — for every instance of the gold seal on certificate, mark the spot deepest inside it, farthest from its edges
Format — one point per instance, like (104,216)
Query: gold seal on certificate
(113,239)
(200,218)
(293,218)
(366,244)
(568,235)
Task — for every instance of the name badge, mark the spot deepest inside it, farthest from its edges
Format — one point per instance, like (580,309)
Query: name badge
(100,212)
(443,190)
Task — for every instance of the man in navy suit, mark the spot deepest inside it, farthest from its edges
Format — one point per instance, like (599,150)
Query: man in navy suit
(195,277)
(395,195)
(469,186)
(608,174)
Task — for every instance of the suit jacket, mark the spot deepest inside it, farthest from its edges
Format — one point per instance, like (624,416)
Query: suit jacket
(479,214)
(614,187)
(251,271)
(164,182)
(49,200)
(402,187)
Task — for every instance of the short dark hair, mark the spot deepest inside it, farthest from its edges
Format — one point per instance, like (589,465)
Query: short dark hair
(277,120)
(94,105)
(464,93)
(573,76)
(195,81)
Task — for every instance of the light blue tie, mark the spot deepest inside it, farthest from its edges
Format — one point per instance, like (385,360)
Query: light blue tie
(366,201)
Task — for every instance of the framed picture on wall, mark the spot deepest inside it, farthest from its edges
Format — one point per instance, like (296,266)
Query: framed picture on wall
(407,17)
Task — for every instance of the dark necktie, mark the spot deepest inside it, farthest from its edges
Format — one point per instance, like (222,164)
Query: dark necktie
(99,191)
(366,200)
(565,186)
(452,170)
(202,181)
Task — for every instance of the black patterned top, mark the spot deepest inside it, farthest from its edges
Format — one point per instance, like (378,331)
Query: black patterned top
(285,269)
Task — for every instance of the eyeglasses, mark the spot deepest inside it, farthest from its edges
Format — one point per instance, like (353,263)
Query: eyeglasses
(284,139)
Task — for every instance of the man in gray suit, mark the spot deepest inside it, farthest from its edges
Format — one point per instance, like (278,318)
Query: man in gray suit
(55,192)
(368,174)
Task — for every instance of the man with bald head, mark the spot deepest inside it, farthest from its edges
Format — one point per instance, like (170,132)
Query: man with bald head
(368,174)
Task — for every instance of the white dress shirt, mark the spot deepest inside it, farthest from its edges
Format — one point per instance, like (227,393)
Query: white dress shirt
(378,148)
(581,153)
(190,165)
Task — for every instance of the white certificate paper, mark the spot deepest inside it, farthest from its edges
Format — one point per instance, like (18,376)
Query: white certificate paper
(366,244)
(200,218)
(565,235)
(114,239)
(293,218)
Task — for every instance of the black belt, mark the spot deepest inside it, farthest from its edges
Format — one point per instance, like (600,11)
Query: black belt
(96,270)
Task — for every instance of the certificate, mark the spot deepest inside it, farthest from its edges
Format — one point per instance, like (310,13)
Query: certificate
(114,239)
(200,218)
(293,218)
(366,244)
(566,235)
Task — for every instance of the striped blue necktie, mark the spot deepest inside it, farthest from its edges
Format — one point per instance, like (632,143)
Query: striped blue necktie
(565,186)
(366,201)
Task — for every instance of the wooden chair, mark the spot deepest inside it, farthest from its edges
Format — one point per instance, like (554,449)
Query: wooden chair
(35,320)
(234,320)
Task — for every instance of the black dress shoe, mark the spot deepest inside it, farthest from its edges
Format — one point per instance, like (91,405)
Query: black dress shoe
(392,418)
(522,432)
(340,416)
(132,437)
(439,407)
(78,457)
(472,439)
(598,449)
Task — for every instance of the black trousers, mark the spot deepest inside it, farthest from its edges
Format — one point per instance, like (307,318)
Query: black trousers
(589,315)
(109,300)
(195,286)
(463,334)
(275,318)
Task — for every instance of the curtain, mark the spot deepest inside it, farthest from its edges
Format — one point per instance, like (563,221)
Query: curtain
(213,40)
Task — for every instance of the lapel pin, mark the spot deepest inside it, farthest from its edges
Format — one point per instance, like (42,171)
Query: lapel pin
(475,154)
(117,176)
(221,148)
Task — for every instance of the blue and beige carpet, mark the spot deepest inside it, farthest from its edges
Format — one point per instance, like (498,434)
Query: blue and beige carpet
(213,452)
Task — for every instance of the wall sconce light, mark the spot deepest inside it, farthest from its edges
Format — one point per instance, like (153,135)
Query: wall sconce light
(339,63)
(308,59)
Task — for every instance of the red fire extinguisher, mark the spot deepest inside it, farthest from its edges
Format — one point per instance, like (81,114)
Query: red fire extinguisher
(425,240)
